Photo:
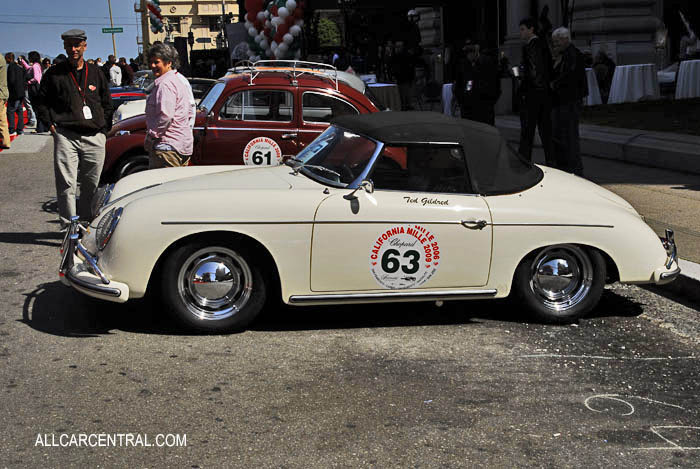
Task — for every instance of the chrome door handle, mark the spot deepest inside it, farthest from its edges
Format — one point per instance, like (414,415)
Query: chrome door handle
(475,224)
(289,136)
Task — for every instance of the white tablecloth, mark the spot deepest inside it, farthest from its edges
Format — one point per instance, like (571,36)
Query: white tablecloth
(369,78)
(631,82)
(688,85)
(593,97)
(448,104)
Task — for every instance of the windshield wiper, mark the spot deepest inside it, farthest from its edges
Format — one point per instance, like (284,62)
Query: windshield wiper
(310,166)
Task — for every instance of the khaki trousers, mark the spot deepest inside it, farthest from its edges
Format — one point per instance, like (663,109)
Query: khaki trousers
(166,159)
(4,129)
(77,159)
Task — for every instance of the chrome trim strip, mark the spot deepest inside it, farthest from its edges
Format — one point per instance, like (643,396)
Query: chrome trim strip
(426,295)
(671,275)
(373,222)
(251,129)
(554,224)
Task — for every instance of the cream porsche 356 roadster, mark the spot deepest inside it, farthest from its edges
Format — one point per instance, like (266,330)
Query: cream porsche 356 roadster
(383,207)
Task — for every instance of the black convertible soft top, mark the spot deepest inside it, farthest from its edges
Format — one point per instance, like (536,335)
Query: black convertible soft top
(494,168)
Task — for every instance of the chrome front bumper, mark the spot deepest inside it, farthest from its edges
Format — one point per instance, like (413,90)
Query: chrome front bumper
(668,273)
(80,270)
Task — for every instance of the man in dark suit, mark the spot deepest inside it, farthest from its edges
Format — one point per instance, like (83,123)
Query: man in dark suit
(569,86)
(477,85)
(535,98)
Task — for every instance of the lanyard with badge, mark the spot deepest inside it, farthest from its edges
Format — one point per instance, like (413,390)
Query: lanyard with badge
(87,113)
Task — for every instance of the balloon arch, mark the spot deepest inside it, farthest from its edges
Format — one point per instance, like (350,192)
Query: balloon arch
(274,28)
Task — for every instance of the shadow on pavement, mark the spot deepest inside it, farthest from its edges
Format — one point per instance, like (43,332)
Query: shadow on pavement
(48,238)
(54,308)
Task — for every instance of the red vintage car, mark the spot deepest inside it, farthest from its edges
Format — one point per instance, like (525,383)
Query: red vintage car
(257,115)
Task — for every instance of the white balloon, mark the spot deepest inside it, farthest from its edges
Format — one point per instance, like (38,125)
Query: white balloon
(248,24)
(283,47)
(274,46)
(283,12)
(295,30)
(258,38)
(267,14)
(278,54)
(267,23)
(275,20)
(264,44)
(291,5)
(297,54)
(269,52)
(261,15)
(299,23)
(288,38)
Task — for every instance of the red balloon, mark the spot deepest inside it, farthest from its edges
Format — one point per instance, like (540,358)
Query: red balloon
(258,25)
(283,29)
(267,32)
(289,20)
(273,10)
(251,17)
(278,38)
(298,13)
(248,5)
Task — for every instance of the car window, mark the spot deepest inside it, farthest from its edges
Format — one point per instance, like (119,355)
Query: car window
(200,89)
(258,105)
(424,168)
(321,108)
(212,96)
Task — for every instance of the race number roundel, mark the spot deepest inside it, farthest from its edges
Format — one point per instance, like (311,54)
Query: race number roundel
(262,151)
(404,256)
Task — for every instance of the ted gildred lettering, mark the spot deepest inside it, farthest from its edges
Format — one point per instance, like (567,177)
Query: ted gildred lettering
(425,201)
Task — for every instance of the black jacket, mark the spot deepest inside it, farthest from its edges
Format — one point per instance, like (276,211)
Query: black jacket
(15,81)
(486,82)
(569,80)
(538,66)
(60,101)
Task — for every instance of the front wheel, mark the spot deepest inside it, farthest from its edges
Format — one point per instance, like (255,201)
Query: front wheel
(130,165)
(213,287)
(561,283)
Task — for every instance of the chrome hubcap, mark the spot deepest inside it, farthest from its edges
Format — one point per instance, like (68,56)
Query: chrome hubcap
(561,277)
(215,283)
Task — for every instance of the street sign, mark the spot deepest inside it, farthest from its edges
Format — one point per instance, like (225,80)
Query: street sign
(205,40)
(112,30)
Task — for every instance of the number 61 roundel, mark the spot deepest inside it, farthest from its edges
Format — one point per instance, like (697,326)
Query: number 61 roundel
(262,151)
(404,256)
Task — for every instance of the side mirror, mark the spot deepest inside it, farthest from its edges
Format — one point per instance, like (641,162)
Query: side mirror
(366,184)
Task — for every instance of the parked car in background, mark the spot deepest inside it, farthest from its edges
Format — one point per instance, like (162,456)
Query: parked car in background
(257,115)
(200,86)
(383,207)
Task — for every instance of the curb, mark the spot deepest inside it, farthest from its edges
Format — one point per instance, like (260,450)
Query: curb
(687,285)
(677,152)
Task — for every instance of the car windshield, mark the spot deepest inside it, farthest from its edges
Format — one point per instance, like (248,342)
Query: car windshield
(212,96)
(337,158)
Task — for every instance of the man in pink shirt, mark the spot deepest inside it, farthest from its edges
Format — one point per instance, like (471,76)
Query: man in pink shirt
(168,112)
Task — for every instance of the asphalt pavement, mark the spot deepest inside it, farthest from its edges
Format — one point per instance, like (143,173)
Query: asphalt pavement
(468,384)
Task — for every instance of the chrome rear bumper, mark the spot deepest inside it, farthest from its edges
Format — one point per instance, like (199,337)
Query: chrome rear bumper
(663,275)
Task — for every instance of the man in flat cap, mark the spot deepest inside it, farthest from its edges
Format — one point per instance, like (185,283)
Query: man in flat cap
(74,98)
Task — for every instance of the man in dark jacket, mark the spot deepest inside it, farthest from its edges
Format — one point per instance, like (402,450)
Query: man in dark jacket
(74,97)
(15,85)
(127,72)
(477,85)
(535,98)
(569,86)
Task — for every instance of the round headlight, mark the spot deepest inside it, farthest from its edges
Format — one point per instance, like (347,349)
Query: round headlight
(101,198)
(106,227)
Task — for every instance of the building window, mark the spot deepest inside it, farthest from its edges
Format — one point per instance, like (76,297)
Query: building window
(174,23)
(214,23)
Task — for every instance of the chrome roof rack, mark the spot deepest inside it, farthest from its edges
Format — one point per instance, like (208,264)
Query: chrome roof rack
(294,68)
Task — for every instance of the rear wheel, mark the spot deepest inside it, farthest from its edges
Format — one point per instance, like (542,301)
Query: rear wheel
(561,283)
(130,165)
(213,287)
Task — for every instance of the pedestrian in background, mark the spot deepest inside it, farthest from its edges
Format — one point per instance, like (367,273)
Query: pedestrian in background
(127,72)
(15,85)
(45,64)
(534,93)
(4,95)
(112,71)
(404,70)
(477,85)
(33,75)
(169,139)
(570,87)
(75,98)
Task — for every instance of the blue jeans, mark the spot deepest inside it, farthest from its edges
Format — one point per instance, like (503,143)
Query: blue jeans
(14,108)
